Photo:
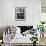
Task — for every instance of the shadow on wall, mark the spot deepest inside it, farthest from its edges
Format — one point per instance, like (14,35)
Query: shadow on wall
(2,29)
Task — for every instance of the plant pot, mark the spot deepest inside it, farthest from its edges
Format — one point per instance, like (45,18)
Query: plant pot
(34,43)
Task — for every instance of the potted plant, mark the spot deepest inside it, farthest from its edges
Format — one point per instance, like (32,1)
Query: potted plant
(34,39)
(41,27)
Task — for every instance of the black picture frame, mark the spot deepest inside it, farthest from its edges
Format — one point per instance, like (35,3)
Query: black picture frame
(20,14)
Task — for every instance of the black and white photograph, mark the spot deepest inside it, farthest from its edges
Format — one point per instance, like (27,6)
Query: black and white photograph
(20,13)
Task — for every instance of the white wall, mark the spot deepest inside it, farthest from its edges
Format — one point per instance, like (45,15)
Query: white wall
(36,7)
(0,12)
(8,12)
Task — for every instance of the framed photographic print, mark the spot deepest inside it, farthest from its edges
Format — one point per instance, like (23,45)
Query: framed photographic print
(20,13)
